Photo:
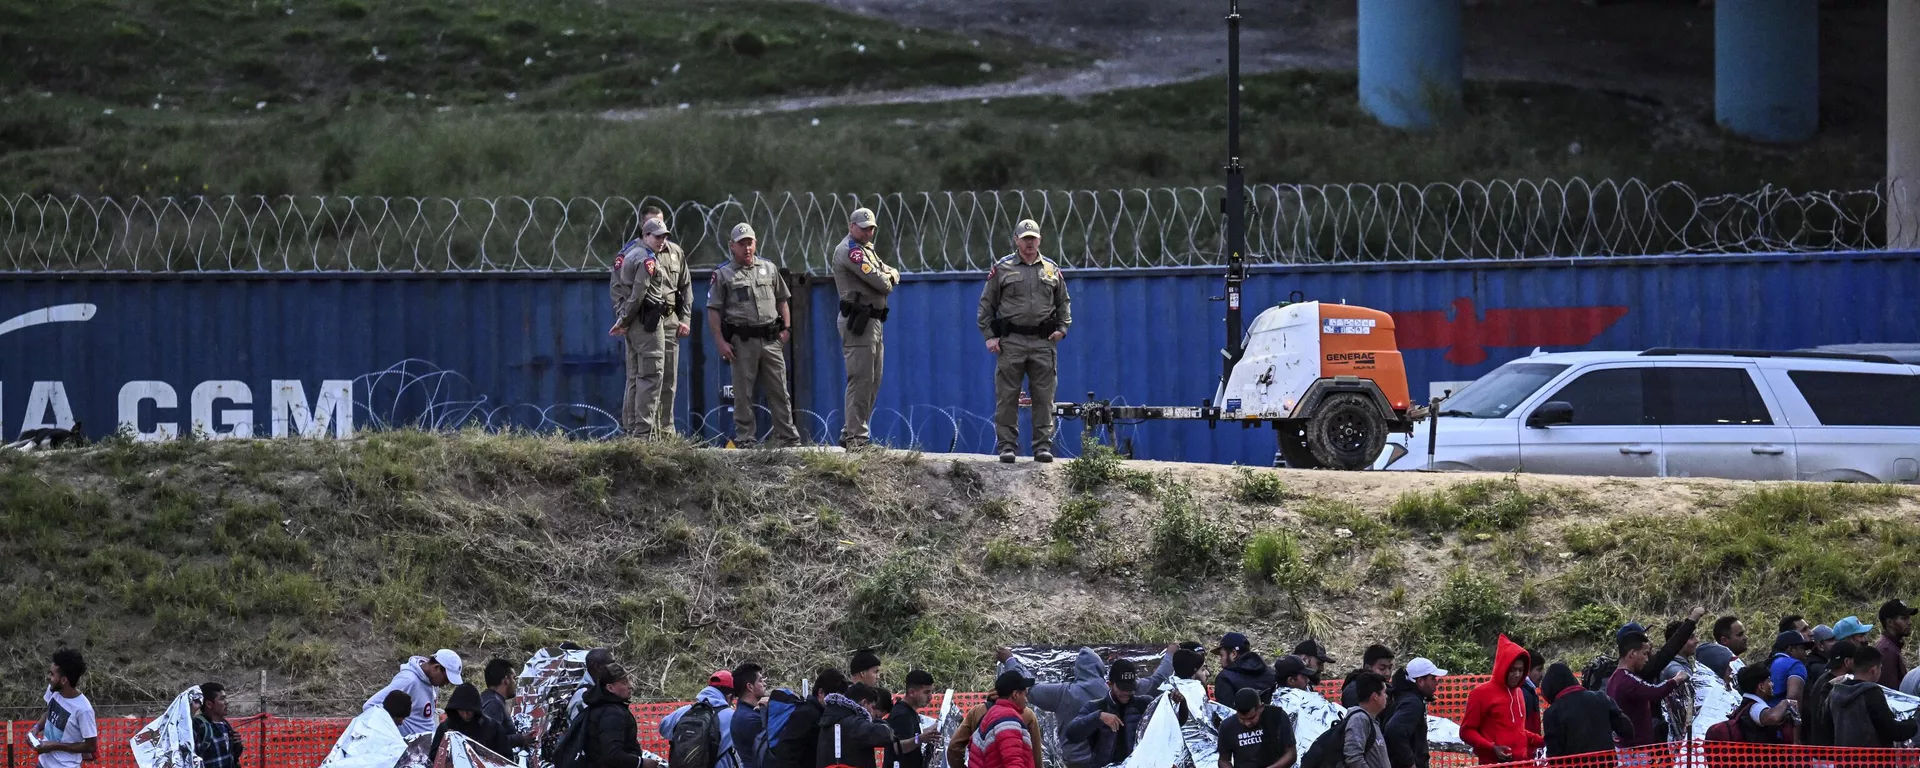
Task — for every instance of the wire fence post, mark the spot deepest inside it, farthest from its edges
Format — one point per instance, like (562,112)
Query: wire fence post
(263,719)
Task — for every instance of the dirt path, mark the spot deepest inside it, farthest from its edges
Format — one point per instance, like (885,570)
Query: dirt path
(1657,49)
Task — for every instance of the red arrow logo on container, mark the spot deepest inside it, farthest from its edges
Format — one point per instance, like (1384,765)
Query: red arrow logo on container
(1466,335)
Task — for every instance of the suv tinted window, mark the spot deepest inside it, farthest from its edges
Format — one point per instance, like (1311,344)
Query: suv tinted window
(1861,399)
(1613,396)
(1709,396)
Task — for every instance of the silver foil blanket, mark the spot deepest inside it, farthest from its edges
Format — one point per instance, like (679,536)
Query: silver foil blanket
(547,683)
(167,742)
(1313,714)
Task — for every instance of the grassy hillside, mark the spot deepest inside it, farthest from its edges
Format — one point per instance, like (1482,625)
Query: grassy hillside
(505,97)
(1300,127)
(324,563)
(214,56)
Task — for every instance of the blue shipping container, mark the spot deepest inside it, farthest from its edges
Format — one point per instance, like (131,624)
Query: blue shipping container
(332,354)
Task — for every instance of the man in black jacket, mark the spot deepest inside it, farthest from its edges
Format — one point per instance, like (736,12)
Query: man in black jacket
(1406,716)
(612,739)
(1858,706)
(849,733)
(1579,721)
(1107,726)
(904,718)
(1377,659)
(797,745)
(1819,727)
(1240,668)
(464,717)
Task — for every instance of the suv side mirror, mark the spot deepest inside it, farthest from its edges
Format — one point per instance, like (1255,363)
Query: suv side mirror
(1551,414)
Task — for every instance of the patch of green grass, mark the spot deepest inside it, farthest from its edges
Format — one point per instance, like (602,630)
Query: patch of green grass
(742,560)
(1007,553)
(1095,467)
(844,468)
(1250,487)
(1184,540)
(1456,626)
(1477,507)
(1801,548)
(997,510)
(884,604)
(282,650)
(1275,557)
(1060,554)
(1078,518)
(1386,564)
(1142,484)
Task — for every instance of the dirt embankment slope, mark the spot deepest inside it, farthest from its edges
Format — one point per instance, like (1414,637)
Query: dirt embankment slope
(324,564)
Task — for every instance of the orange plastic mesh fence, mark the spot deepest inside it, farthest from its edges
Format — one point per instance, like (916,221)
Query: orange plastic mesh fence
(1721,754)
(302,742)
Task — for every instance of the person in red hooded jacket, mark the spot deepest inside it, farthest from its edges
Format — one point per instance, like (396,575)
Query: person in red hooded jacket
(1495,723)
(1002,740)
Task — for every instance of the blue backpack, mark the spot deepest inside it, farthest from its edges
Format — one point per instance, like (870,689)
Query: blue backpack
(780,706)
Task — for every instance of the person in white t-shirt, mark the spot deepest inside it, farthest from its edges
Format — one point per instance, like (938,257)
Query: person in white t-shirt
(68,732)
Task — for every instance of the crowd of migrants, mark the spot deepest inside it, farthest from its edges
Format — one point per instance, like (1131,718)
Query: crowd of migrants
(1024,313)
(1818,685)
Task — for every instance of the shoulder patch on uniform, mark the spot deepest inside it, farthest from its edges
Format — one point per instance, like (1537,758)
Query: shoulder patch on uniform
(619,261)
(857,255)
(648,263)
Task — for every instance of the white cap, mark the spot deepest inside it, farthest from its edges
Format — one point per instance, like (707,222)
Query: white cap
(1421,667)
(451,661)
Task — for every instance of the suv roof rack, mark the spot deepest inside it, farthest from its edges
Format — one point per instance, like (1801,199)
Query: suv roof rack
(1672,351)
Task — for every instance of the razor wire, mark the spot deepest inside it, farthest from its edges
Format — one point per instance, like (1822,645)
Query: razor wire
(937,231)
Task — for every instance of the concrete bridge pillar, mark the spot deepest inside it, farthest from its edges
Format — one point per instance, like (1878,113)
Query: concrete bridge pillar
(1410,60)
(1766,68)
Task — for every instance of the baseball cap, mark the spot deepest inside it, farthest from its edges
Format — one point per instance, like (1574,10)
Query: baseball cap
(451,661)
(1789,639)
(1232,641)
(614,673)
(1716,657)
(1822,633)
(1629,628)
(1850,627)
(1010,681)
(654,227)
(722,679)
(1026,228)
(1122,673)
(1311,649)
(1287,667)
(1246,700)
(1896,608)
(741,231)
(862,218)
(1421,667)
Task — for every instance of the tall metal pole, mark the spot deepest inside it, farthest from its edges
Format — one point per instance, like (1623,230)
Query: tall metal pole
(1234,207)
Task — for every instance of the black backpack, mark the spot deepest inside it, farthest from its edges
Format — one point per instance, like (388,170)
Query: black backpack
(695,742)
(1598,672)
(1329,748)
(571,749)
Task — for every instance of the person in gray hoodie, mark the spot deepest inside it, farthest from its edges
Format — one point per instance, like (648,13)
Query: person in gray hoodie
(1366,741)
(1858,706)
(417,679)
(1089,684)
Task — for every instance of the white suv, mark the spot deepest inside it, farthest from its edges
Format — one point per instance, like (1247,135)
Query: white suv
(1682,413)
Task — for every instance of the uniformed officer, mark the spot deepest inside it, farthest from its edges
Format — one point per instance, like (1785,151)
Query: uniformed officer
(680,321)
(647,318)
(1024,312)
(864,283)
(747,310)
